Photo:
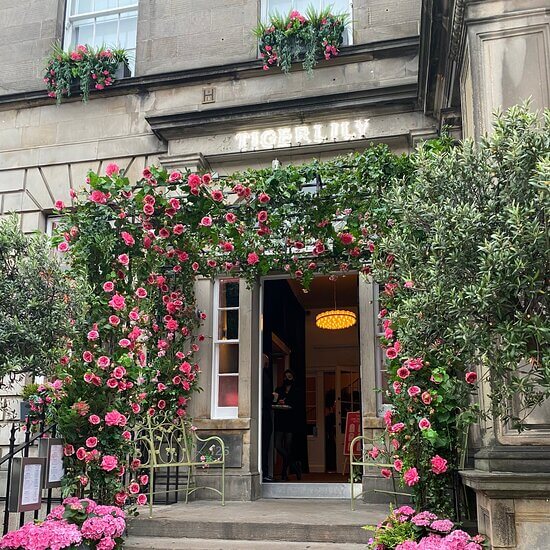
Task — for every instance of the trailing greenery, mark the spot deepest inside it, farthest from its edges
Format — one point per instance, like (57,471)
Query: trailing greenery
(93,68)
(295,37)
(38,304)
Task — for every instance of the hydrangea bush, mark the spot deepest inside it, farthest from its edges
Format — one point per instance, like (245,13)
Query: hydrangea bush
(77,523)
(405,529)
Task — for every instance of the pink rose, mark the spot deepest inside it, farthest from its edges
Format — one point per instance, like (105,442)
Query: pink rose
(109,463)
(114,418)
(230,217)
(124,259)
(63,246)
(127,238)
(93,334)
(119,372)
(114,320)
(471,377)
(59,205)
(148,209)
(124,343)
(264,198)
(108,286)
(81,453)
(413,391)
(68,450)
(409,284)
(347,238)
(117,302)
(424,424)
(403,372)
(398,465)
(262,216)
(426,398)
(174,176)
(193,180)
(98,197)
(112,169)
(411,477)
(133,488)
(103,362)
(91,442)
(206,221)
(385,473)
(178,229)
(252,258)
(439,465)
(391,352)
(94,419)
(217,195)
(141,499)
(87,357)
(141,292)
(144,479)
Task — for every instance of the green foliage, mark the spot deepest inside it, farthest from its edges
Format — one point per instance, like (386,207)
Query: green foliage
(287,39)
(38,304)
(94,68)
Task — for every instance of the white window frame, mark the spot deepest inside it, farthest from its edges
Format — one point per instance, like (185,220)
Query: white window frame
(217,411)
(348,35)
(71,19)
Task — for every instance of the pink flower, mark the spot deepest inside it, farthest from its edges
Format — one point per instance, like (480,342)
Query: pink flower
(93,334)
(114,418)
(206,221)
(112,169)
(262,216)
(117,302)
(442,525)
(141,292)
(68,450)
(119,372)
(94,419)
(347,238)
(91,442)
(124,343)
(103,362)
(439,465)
(174,176)
(424,424)
(59,205)
(193,180)
(403,372)
(144,479)
(264,198)
(87,357)
(109,463)
(409,284)
(81,453)
(426,398)
(63,246)
(148,209)
(114,320)
(124,259)
(141,499)
(252,258)
(133,488)
(411,477)
(471,377)
(397,387)
(414,364)
(385,473)
(206,179)
(398,465)
(230,217)
(397,427)
(217,195)
(391,353)
(108,286)
(413,391)
(127,238)
(178,229)
(98,197)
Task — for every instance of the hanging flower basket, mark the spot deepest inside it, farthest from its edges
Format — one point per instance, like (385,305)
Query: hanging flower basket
(84,68)
(287,40)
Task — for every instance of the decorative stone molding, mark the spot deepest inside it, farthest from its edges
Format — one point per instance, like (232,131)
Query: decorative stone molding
(195,162)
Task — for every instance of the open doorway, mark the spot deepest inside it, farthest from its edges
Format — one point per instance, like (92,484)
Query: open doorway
(311,379)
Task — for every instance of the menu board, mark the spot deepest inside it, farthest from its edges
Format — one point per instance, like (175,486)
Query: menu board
(26,484)
(52,450)
(353,429)
(31,491)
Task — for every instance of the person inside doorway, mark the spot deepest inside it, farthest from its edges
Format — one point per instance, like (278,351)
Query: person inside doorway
(287,423)
(267,416)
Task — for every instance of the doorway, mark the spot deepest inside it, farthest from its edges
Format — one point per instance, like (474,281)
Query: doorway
(324,365)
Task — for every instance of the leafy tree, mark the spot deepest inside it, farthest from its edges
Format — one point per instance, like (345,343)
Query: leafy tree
(38,303)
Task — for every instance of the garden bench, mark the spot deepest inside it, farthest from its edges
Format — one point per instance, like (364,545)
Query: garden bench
(163,442)
(360,458)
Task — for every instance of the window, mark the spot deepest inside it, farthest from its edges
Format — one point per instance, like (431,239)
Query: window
(382,400)
(225,388)
(110,23)
(283,7)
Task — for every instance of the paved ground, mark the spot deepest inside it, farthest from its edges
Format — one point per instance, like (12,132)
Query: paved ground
(142,543)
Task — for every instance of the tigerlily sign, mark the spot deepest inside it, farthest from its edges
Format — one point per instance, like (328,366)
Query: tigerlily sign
(304,134)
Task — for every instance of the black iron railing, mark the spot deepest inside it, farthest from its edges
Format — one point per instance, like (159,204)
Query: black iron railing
(33,434)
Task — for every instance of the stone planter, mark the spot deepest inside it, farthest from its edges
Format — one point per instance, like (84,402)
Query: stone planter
(122,71)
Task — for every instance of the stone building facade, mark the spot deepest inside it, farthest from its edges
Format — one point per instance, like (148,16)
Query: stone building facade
(198,99)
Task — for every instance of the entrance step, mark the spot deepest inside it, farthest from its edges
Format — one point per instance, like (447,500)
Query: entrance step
(312,490)
(289,520)
(148,543)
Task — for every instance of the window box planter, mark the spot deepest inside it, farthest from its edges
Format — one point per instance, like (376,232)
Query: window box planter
(84,68)
(309,38)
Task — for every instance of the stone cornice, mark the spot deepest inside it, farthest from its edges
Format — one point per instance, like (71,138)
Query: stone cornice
(457,29)
(207,75)
(194,123)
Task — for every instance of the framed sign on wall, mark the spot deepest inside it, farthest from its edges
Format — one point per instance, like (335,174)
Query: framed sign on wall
(26,484)
(52,450)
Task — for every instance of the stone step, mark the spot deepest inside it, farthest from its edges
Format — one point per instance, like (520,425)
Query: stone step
(292,520)
(149,543)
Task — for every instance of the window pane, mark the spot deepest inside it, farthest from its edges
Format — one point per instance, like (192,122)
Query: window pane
(105,4)
(123,3)
(228,324)
(281,6)
(302,5)
(338,6)
(229,293)
(106,31)
(228,391)
(127,30)
(83,32)
(82,6)
(228,358)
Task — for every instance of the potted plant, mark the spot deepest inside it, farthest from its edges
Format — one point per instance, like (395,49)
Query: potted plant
(286,40)
(84,67)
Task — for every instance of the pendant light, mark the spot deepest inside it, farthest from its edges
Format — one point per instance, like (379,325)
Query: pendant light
(335,319)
